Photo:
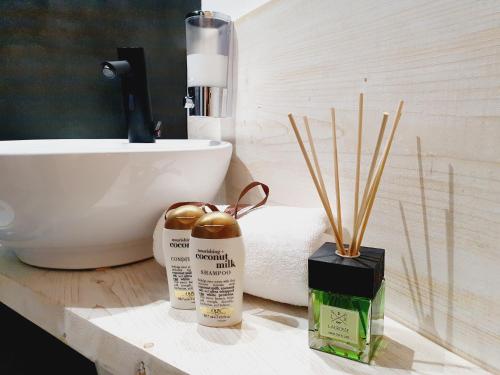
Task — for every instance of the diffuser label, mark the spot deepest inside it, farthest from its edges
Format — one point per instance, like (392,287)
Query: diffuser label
(339,324)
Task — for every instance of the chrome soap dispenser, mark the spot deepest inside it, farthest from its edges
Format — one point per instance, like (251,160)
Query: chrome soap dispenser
(208,36)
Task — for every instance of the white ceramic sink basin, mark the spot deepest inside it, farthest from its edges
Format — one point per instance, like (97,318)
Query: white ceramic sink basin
(92,203)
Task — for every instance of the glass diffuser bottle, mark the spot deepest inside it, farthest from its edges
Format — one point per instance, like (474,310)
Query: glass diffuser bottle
(346,302)
(346,284)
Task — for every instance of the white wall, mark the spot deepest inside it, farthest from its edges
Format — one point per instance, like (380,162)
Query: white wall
(233,8)
(438,208)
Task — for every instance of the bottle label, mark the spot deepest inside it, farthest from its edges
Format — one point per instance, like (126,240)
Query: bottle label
(339,324)
(218,266)
(176,247)
(184,295)
(223,313)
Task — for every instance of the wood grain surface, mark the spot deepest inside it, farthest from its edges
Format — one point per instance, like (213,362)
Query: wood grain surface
(119,317)
(438,207)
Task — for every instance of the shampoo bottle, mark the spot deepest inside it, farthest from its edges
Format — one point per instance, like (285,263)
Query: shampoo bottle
(217,261)
(178,224)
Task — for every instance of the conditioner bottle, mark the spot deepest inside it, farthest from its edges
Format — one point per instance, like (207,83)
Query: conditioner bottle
(178,224)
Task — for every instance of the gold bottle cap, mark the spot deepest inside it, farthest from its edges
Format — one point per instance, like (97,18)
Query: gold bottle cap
(216,225)
(183,217)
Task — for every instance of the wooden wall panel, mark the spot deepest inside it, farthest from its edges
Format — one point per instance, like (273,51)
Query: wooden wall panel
(438,209)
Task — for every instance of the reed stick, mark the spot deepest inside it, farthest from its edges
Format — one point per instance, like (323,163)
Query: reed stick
(378,177)
(336,176)
(373,163)
(358,167)
(316,162)
(315,181)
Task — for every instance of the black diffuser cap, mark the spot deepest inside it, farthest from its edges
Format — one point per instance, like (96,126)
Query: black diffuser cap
(361,276)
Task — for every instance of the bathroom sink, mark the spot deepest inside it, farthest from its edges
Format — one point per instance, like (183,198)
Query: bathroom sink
(91,203)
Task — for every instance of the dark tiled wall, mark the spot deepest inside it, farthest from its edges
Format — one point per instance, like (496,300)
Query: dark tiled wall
(50,51)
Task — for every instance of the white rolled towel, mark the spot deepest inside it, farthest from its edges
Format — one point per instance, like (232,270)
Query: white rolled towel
(278,240)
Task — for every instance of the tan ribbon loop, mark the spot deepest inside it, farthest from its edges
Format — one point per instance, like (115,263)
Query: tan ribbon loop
(235,210)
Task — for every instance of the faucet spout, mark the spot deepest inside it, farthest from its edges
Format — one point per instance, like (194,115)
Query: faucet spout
(131,67)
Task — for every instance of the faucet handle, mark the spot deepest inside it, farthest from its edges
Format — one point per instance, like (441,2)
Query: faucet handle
(157,130)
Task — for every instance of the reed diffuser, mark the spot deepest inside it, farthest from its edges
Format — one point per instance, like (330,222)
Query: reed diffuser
(346,281)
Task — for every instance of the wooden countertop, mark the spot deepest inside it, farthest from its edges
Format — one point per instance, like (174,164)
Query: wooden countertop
(119,317)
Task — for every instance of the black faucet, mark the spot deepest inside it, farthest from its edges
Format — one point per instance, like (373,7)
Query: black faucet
(131,67)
